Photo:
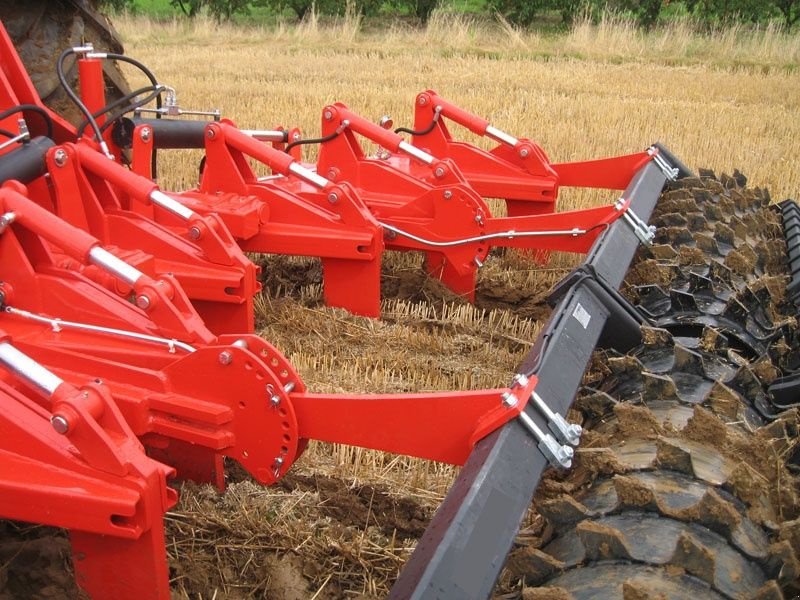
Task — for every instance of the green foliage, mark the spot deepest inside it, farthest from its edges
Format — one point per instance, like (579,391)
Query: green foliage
(523,13)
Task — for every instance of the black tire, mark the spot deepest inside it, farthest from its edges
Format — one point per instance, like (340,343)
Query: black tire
(42,29)
(680,487)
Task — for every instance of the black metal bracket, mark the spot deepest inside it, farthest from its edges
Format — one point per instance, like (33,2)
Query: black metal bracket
(623,328)
(463,550)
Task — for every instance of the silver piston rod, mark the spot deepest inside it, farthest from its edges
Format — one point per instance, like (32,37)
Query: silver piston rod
(104,259)
(28,369)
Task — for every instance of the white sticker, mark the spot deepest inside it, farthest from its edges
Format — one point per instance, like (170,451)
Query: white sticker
(581,315)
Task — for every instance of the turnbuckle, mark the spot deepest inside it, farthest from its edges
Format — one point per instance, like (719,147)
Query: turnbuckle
(557,454)
(646,233)
(669,171)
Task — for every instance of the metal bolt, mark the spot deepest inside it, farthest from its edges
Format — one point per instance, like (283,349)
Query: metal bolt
(145,134)
(295,136)
(289,387)
(194,232)
(328,115)
(278,463)
(448,194)
(439,172)
(479,219)
(240,344)
(478,262)
(210,134)
(422,101)
(60,424)
(519,380)
(524,153)
(274,398)
(225,358)
(569,433)
(60,157)
(332,174)
(143,302)
(333,198)
(509,399)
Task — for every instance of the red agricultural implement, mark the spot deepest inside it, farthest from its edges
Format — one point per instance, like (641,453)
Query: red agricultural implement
(126,341)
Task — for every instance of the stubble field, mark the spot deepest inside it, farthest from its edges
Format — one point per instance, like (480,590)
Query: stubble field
(344,521)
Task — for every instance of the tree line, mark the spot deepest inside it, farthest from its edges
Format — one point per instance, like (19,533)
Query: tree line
(522,13)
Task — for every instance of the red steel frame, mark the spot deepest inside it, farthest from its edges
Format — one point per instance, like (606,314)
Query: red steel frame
(161,379)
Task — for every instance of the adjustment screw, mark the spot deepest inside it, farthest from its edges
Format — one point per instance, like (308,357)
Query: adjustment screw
(194,232)
(225,358)
(145,134)
(60,424)
(60,157)
(333,198)
(143,302)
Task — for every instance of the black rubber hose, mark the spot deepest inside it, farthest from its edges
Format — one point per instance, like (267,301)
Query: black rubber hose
(321,140)
(119,102)
(143,68)
(425,131)
(73,96)
(48,121)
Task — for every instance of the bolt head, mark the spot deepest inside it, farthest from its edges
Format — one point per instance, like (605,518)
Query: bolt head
(295,136)
(60,424)
(143,302)
(520,380)
(524,153)
(439,172)
(194,233)
(60,157)
(333,198)
(225,358)
(328,115)
(144,134)
(448,194)
(211,134)
(422,101)
(509,399)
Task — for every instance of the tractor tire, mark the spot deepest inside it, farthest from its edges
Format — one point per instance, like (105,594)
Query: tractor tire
(42,29)
(680,488)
